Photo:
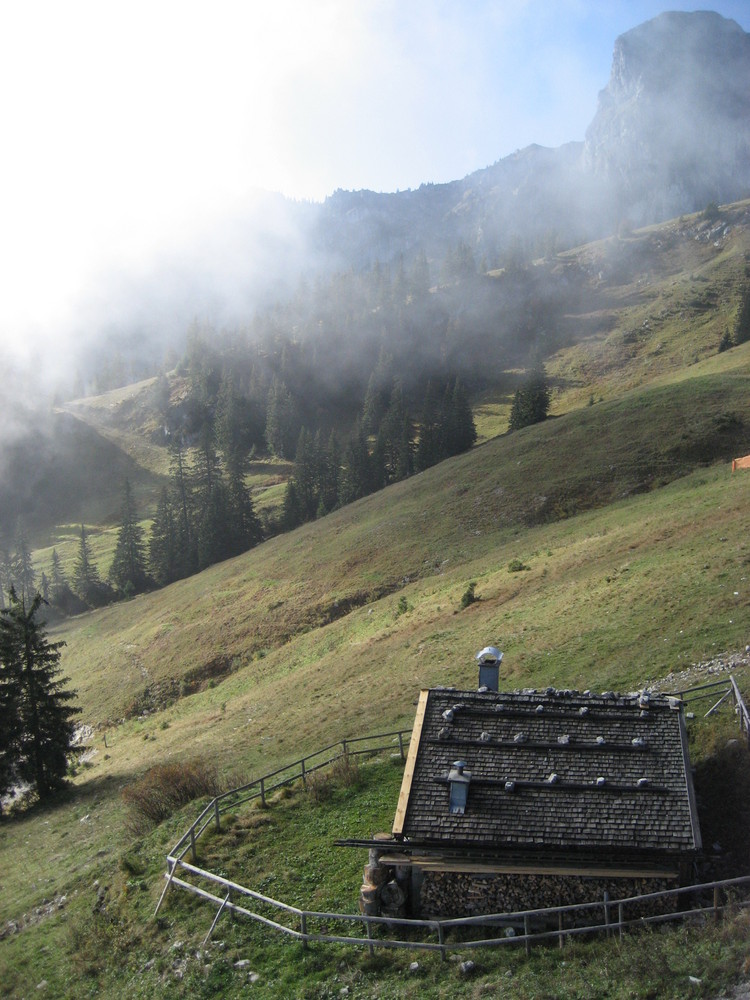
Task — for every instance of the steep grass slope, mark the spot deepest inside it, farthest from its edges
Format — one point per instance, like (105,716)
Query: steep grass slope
(608,547)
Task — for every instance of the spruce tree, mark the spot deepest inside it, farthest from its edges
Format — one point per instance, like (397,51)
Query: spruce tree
(531,400)
(163,552)
(182,508)
(24,575)
(86,581)
(128,569)
(41,722)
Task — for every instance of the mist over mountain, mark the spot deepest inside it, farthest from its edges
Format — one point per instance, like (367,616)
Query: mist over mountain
(671,133)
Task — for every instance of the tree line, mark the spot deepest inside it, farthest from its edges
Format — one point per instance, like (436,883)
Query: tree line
(382,448)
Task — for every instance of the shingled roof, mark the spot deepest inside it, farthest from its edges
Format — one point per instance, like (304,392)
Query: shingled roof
(556,770)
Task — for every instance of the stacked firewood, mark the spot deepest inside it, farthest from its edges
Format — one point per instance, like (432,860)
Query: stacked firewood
(460,894)
(382,894)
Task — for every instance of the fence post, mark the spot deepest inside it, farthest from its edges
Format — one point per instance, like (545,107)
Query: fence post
(606,912)
(216,814)
(401,745)
(526,929)
(441,940)
(193,849)
(304,774)
(620,921)
(560,936)
(303,929)
(346,751)
(263,792)
(716,904)
(370,947)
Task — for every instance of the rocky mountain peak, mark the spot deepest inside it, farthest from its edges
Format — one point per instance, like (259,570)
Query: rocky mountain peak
(672,128)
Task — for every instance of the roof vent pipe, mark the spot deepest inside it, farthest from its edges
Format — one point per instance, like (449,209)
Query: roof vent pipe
(489,660)
(459,779)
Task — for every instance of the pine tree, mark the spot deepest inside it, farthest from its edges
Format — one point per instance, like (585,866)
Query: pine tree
(244,527)
(86,581)
(329,473)
(163,553)
(430,448)
(282,424)
(461,432)
(531,400)
(61,595)
(128,569)
(356,474)
(23,570)
(182,509)
(41,725)
(394,443)
(58,581)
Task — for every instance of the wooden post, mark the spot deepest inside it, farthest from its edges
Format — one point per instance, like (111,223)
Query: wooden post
(192,845)
(216,814)
(716,904)
(606,912)
(164,891)
(370,947)
(216,918)
(441,939)
(263,792)
(561,936)
(303,929)
(304,775)
(346,751)
(526,929)
(620,921)
(401,745)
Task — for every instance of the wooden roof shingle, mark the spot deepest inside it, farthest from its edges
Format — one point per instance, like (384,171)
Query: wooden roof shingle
(550,770)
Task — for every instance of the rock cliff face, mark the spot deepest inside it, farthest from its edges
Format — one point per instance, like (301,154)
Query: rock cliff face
(671,134)
(672,130)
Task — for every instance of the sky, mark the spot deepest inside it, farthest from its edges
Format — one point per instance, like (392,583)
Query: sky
(130,126)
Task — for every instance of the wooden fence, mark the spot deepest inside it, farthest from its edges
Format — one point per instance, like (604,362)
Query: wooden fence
(298,770)
(611,917)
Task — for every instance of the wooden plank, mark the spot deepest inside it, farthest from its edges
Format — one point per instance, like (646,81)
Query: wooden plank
(411,762)
(453,865)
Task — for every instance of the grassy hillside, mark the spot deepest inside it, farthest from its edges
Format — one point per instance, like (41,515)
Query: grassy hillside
(608,548)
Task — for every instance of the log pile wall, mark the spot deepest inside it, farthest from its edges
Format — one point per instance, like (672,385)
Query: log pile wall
(459,894)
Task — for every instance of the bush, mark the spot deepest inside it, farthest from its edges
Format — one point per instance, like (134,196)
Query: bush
(516,566)
(469,596)
(165,788)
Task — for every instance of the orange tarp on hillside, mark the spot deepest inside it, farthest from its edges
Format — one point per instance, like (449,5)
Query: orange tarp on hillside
(741,463)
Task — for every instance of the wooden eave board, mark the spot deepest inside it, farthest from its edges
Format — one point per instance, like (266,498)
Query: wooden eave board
(411,762)
(454,865)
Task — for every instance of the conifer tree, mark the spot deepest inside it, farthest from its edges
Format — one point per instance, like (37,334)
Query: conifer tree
(531,400)
(461,431)
(163,553)
(182,508)
(58,581)
(128,569)
(394,443)
(40,728)
(356,474)
(86,581)
(430,445)
(24,575)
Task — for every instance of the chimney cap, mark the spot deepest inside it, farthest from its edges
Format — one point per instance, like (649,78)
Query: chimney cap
(490,654)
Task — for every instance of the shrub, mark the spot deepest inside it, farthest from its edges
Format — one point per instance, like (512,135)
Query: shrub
(164,788)
(469,595)
(516,566)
